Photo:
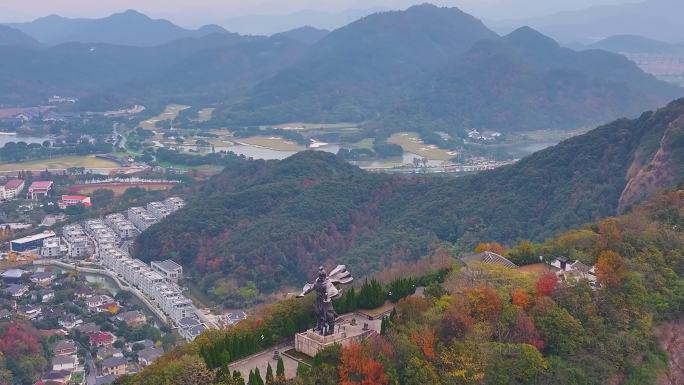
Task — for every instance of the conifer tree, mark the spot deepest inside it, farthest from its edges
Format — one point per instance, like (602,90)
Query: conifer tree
(257,377)
(237,378)
(280,369)
(269,374)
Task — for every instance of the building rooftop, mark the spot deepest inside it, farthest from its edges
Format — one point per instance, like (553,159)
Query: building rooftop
(113,362)
(168,265)
(13,273)
(488,258)
(14,183)
(42,184)
(35,237)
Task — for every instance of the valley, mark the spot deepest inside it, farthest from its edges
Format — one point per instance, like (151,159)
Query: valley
(459,201)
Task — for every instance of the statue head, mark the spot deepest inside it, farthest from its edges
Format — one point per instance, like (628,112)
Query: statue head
(321,273)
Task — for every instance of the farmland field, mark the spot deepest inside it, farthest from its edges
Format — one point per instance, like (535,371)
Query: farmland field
(170,113)
(119,187)
(205,114)
(64,162)
(271,142)
(410,142)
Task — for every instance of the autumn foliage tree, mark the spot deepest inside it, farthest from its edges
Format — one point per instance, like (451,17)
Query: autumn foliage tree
(546,284)
(520,298)
(494,247)
(484,302)
(611,269)
(357,367)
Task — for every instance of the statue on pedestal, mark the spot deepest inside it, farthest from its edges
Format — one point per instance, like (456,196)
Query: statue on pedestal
(326,292)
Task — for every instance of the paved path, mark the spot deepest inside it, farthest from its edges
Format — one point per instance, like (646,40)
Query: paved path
(262,359)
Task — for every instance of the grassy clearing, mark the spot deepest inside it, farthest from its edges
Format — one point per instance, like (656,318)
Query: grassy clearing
(119,188)
(205,114)
(366,143)
(170,113)
(64,162)
(411,142)
(271,142)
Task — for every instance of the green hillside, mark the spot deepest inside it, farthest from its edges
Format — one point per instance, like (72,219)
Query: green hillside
(489,325)
(269,223)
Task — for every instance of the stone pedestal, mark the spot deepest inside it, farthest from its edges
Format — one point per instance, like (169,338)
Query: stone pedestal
(310,342)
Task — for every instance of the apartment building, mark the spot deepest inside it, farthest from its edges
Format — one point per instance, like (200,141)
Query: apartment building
(169,269)
(52,248)
(174,203)
(123,228)
(140,218)
(158,210)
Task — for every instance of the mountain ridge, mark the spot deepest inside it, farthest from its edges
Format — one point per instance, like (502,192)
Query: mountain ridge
(290,216)
(129,27)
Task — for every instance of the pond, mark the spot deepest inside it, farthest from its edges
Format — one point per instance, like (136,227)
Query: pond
(270,154)
(10,137)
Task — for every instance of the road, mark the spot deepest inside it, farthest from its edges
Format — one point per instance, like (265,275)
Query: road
(122,144)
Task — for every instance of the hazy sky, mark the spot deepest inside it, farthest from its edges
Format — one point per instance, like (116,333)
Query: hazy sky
(189,12)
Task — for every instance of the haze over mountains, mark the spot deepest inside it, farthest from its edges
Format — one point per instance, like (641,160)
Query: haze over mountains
(126,28)
(655,19)
(426,68)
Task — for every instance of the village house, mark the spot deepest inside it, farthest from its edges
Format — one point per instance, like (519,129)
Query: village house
(117,366)
(16,290)
(73,200)
(97,303)
(29,311)
(70,321)
(64,362)
(573,270)
(43,278)
(107,352)
(64,348)
(149,355)
(132,318)
(102,339)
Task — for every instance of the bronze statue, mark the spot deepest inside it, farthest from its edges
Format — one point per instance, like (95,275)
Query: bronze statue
(326,292)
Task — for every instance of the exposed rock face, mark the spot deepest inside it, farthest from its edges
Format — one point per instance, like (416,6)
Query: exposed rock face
(659,173)
(671,338)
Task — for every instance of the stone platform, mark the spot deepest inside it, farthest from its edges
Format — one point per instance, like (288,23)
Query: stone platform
(346,332)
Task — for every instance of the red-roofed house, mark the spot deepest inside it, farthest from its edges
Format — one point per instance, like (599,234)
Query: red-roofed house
(40,189)
(100,339)
(11,189)
(73,200)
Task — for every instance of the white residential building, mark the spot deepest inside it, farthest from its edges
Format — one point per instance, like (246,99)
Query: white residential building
(169,269)
(52,248)
(174,203)
(141,218)
(158,210)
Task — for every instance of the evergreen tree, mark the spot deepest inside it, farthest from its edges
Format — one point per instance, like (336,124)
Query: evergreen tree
(383,326)
(269,374)
(302,370)
(280,369)
(251,380)
(237,378)
(257,377)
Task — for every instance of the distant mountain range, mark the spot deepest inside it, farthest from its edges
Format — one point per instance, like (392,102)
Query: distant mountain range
(430,68)
(636,44)
(12,36)
(105,76)
(272,222)
(425,69)
(127,28)
(654,19)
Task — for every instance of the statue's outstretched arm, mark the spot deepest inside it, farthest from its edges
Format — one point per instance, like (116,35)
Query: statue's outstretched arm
(306,290)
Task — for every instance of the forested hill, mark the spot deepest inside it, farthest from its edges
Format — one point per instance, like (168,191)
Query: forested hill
(488,325)
(429,68)
(273,222)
